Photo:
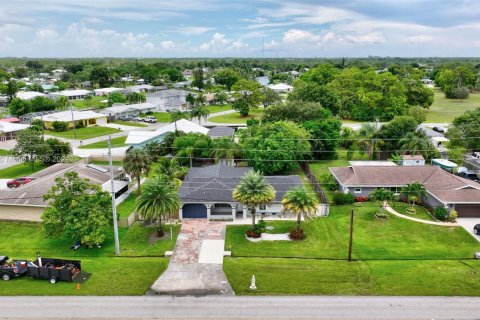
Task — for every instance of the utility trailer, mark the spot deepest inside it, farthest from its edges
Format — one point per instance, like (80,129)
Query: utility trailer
(54,269)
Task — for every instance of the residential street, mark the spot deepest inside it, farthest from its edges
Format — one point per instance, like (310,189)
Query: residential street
(223,307)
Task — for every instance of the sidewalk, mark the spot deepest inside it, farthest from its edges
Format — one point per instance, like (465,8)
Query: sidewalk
(434,223)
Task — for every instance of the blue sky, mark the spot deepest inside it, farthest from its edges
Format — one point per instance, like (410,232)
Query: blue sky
(220,28)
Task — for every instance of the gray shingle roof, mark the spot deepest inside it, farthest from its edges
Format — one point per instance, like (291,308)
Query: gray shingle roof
(217,132)
(215,183)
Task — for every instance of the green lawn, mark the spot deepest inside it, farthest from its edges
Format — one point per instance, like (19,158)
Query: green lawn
(92,104)
(141,262)
(126,208)
(130,123)
(4,152)
(327,238)
(445,110)
(83,133)
(116,143)
(20,170)
(236,118)
(162,116)
(375,277)
(422,212)
(219,108)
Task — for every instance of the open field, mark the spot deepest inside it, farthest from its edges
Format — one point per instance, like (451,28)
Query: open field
(162,116)
(219,108)
(94,103)
(21,170)
(116,143)
(140,263)
(83,133)
(445,110)
(235,118)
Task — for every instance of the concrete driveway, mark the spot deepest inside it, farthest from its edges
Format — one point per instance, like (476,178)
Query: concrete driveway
(468,223)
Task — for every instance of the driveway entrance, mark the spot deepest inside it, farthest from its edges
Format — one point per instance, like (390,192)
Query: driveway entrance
(468,223)
(196,264)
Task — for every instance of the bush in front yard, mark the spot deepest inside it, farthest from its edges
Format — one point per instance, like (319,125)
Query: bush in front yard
(452,217)
(343,199)
(440,213)
(297,234)
(58,126)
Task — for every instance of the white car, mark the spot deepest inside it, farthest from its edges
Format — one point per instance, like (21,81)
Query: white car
(139,118)
(150,119)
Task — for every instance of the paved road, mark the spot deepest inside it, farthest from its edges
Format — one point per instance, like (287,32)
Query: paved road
(223,307)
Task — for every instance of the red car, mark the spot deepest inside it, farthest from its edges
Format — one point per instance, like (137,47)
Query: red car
(18,182)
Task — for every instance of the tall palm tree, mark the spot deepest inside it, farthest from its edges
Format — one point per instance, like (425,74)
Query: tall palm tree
(367,139)
(170,168)
(298,202)
(225,148)
(414,192)
(199,113)
(177,115)
(381,196)
(187,152)
(62,102)
(252,191)
(417,143)
(158,200)
(136,163)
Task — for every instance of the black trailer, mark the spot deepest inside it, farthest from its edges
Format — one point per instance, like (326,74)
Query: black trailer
(12,269)
(54,269)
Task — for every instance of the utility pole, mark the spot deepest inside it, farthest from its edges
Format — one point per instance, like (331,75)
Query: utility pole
(112,191)
(351,238)
(73,121)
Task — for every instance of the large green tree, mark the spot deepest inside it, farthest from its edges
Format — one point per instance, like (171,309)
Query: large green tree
(30,146)
(252,191)
(469,125)
(325,134)
(226,77)
(275,147)
(77,210)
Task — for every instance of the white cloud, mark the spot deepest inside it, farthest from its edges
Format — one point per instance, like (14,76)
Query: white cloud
(369,38)
(46,34)
(194,30)
(168,44)
(93,20)
(422,38)
(220,44)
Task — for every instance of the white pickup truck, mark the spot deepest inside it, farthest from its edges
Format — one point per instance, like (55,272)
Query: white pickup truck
(150,119)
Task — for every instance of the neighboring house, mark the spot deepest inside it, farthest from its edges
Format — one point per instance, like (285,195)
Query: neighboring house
(409,160)
(263,81)
(220,132)
(106,91)
(8,130)
(29,95)
(86,84)
(72,94)
(209,98)
(280,87)
(187,73)
(87,118)
(206,192)
(131,110)
(145,88)
(166,100)
(26,202)
(444,189)
(138,139)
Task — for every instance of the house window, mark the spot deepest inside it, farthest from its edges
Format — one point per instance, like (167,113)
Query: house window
(357,190)
(395,190)
(262,207)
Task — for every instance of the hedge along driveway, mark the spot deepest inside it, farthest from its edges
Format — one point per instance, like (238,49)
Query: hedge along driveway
(327,238)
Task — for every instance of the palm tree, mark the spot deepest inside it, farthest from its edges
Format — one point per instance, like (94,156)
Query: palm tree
(158,200)
(298,202)
(62,102)
(177,115)
(367,139)
(417,143)
(252,191)
(225,148)
(381,196)
(199,113)
(414,192)
(136,163)
(135,97)
(170,168)
(187,152)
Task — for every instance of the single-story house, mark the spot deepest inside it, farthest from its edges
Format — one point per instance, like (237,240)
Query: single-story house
(138,138)
(88,118)
(144,88)
(220,132)
(170,99)
(106,91)
(131,110)
(444,189)
(28,95)
(280,87)
(72,94)
(8,130)
(26,202)
(206,192)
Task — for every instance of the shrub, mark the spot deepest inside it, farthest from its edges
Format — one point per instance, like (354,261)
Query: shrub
(79,124)
(440,213)
(296,235)
(410,210)
(252,122)
(361,199)
(252,234)
(380,215)
(452,217)
(261,226)
(327,179)
(343,199)
(58,126)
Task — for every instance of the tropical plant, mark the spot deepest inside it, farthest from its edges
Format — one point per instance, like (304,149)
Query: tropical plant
(417,143)
(200,112)
(252,191)
(178,115)
(299,202)
(187,152)
(367,140)
(159,200)
(414,192)
(170,168)
(62,102)
(135,97)
(137,163)
(382,196)
(225,149)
